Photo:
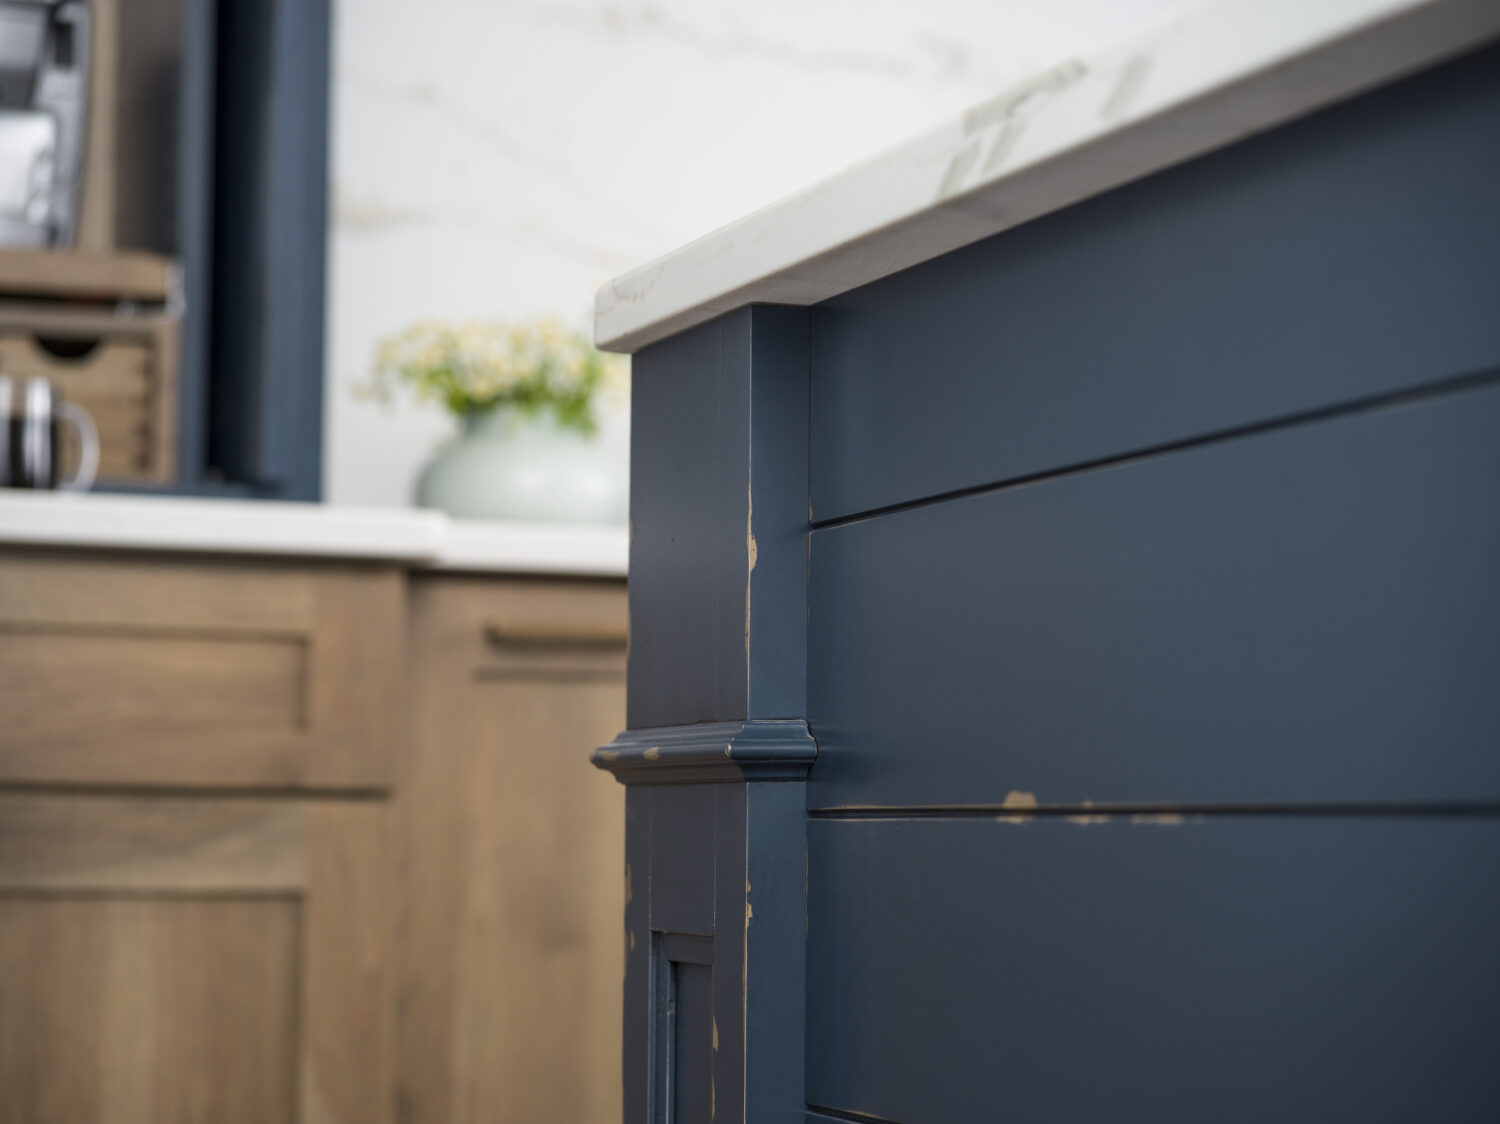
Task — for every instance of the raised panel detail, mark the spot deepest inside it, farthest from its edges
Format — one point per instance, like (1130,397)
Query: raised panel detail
(121,670)
(136,1011)
(118,844)
(682,1029)
(63,686)
(193,959)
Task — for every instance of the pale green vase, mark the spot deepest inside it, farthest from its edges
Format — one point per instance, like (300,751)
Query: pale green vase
(526,468)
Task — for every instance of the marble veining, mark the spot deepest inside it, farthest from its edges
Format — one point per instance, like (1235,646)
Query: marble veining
(1198,80)
(503,158)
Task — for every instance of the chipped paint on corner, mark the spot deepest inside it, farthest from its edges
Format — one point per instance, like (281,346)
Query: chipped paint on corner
(653,754)
(630,939)
(715,1019)
(629,891)
(1015,799)
(609,755)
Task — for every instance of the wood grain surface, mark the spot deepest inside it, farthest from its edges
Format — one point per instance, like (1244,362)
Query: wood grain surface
(158,671)
(511,856)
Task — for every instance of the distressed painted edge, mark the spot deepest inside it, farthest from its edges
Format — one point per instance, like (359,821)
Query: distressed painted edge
(723,752)
(1196,81)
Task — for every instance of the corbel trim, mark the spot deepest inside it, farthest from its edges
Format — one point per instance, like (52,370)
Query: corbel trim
(761,749)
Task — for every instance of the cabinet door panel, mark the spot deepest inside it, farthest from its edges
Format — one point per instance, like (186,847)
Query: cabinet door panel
(512,854)
(137,1011)
(192,960)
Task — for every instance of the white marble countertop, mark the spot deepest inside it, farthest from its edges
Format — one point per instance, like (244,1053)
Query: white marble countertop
(1215,72)
(412,537)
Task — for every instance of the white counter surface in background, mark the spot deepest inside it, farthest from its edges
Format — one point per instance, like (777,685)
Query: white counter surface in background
(421,539)
(1212,74)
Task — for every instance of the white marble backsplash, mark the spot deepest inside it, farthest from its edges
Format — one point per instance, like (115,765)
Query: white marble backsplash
(504,159)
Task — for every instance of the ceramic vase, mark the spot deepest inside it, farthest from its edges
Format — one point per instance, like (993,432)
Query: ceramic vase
(510,465)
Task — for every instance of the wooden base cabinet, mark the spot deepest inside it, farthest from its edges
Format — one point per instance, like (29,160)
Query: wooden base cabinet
(512,870)
(306,843)
(191,959)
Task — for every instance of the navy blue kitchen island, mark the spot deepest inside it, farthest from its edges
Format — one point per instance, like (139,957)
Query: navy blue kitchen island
(1065,603)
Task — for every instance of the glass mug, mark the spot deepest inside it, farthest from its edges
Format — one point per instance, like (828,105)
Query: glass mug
(32,416)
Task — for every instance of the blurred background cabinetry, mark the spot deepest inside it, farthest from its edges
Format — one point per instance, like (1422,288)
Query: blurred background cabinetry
(163,198)
(306,840)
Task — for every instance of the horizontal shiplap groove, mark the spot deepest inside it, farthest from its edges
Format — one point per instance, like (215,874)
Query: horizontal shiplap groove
(818,1113)
(1158,813)
(1441,388)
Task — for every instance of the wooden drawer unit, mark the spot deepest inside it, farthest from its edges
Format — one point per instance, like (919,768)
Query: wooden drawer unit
(161,672)
(122,371)
(511,853)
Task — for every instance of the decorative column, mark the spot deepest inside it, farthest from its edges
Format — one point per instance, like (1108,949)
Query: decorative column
(717,750)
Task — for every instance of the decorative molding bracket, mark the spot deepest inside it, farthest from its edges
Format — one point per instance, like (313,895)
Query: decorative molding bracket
(760,749)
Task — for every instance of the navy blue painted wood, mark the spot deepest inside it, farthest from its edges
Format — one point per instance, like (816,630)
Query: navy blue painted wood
(682,859)
(195,191)
(682,1078)
(720,415)
(1351,253)
(1234,969)
(717,751)
(776,593)
(715,877)
(689,436)
(270,216)
(637,1049)
(1246,415)
(775,928)
(692,1088)
(1309,614)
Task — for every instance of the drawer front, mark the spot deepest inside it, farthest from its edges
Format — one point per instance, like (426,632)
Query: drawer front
(130,671)
(1353,254)
(124,373)
(1310,614)
(541,629)
(1223,968)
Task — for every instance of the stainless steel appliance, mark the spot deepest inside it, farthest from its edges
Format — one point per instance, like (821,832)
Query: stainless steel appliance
(44,80)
